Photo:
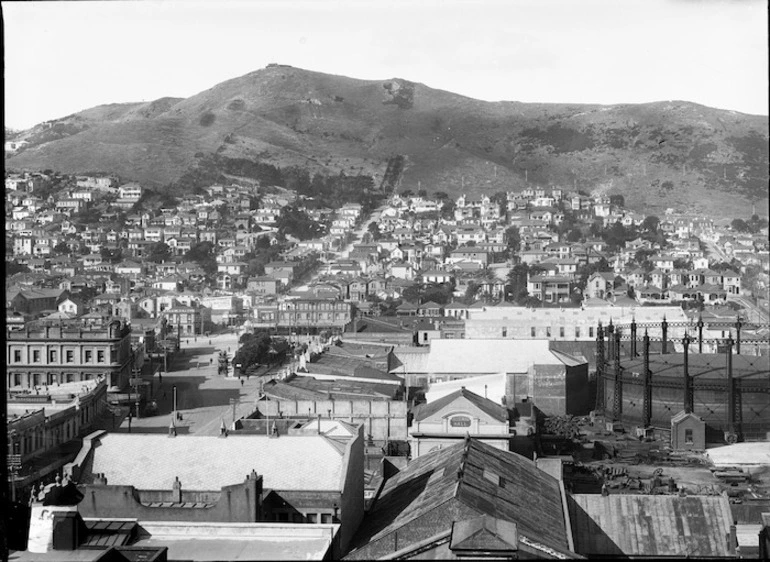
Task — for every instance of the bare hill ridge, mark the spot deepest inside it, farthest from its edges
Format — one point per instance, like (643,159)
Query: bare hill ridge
(658,155)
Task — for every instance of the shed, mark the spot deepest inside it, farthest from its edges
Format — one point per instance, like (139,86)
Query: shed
(688,432)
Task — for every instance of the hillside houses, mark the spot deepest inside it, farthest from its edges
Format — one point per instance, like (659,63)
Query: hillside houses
(416,246)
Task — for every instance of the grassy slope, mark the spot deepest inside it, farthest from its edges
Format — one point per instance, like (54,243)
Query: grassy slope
(666,154)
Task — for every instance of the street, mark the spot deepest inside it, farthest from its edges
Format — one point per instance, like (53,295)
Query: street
(204,398)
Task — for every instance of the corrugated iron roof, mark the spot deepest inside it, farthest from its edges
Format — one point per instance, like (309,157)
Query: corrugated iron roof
(642,525)
(452,479)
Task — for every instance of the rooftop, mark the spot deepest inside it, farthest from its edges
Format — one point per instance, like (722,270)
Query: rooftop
(490,356)
(642,525)
(206,463)
(471,478)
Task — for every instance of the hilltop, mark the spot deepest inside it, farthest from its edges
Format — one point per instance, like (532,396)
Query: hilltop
(658,155)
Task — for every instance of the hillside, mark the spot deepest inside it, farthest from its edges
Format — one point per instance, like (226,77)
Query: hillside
(658,155)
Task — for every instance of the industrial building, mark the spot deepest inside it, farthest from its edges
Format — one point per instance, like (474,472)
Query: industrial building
(728,391)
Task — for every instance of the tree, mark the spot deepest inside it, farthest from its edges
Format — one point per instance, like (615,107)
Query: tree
(470,292)
(501,198)
(650,224)
(255,349)
(448,210)
(440,293)
(61,248)
(158,252)
(585,271)
(295,222)
(740,225)
(574,235)
(413,293)
(517,281)
(513,239)
(112,256)
(374,230)
(642,258)
(11,268)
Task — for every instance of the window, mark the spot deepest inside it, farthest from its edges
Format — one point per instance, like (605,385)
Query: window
(590,331)
(89,355)
(100,356)
(577,331)
(36,356)
(561,331)
(69,356)
(326,518)
(53,356)
(312,518)
(688,439)
(17,356)
(548,331)
(505,332)
(532,331)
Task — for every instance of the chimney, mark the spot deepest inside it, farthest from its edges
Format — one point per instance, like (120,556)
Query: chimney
(633,337)
(664,328)
(172,427)
(176,491)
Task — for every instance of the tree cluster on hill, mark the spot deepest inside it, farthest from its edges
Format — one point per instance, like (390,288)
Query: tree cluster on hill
(202,253)
(158,252)
(420,293)
(752,226)
(295,222)
(332,190)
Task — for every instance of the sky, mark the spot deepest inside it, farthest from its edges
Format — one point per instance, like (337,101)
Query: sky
(63,57)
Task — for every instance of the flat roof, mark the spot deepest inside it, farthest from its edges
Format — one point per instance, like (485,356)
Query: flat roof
(206,463)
